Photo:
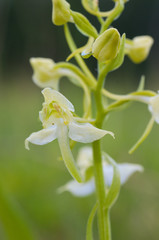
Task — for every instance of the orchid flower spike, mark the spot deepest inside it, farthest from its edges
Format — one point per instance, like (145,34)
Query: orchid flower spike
(85,163)
(58,122)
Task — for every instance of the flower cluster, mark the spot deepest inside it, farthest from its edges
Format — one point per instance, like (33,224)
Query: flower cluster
(94,169)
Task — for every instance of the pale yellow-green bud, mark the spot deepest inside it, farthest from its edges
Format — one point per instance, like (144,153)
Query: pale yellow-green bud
(61,12)
(138,48)
(106,46)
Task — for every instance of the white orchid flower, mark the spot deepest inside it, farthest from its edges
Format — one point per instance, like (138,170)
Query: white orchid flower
(58,122)
(84,161)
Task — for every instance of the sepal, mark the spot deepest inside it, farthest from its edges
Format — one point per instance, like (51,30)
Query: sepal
(118,61)
(83,25)
(106,46)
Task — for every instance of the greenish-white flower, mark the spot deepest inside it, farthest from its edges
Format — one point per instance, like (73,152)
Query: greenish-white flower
(44,74)
(85,161)
(59,123)
(138,48)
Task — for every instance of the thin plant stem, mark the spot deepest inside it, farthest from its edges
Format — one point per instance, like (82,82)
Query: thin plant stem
(108,225)
(100,188)
(97,156)
(78,58)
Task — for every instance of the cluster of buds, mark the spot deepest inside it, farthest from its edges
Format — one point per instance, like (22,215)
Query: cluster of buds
(106,45)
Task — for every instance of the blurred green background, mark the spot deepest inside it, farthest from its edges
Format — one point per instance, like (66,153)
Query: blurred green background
(29,179)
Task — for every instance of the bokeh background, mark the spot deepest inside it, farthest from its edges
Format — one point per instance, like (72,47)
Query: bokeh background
(29,180)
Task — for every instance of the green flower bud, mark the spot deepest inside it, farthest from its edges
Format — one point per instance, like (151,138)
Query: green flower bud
(83,25)
(61,12)
(106,46)
(139,48)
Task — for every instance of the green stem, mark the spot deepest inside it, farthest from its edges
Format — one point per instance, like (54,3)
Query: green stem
(89,232)
(134,96)
(78,58)
(115,13)
(108,225)
(74,69)
(97,156)
(100,188)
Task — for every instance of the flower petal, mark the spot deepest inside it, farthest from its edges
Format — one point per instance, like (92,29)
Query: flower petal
(154,107)
(53,95)
(79,189)
(86,132)
(42,137)
(125,169)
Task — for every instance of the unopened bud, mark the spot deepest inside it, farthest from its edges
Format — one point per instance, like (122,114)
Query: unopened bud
(83,24)
(139,48)
(61,12)
(106,46)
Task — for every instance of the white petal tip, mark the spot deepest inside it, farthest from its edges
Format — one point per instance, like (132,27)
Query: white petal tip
(139,168)
(110,133)
(61,189)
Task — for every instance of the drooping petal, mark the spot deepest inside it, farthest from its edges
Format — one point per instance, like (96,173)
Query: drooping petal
(42,137)
(86,132)
(66,151)
(125,169)
(51,95)
(79,189)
